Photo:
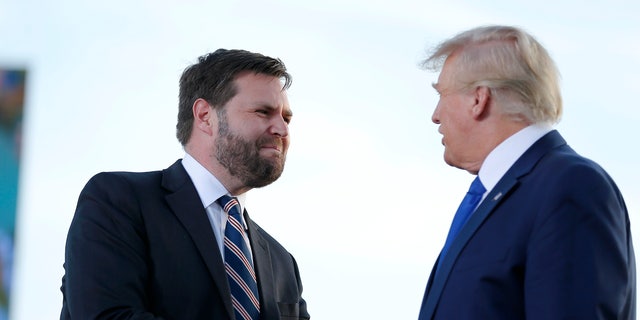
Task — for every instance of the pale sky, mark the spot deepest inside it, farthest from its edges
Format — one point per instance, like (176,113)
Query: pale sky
(366,200)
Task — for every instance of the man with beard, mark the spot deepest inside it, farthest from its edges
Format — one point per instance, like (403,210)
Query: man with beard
(173,244)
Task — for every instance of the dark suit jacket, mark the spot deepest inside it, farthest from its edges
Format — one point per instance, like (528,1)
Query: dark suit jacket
(140,246)
(550,241)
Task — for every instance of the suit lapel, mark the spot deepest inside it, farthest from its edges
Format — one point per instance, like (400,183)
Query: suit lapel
(264,270)
(506,185)
(183,199)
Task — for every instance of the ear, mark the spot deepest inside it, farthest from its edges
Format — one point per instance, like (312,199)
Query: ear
(482,96)
(203,116)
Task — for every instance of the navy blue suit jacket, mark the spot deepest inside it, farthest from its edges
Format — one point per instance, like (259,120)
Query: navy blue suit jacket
(141,246)
(550,241)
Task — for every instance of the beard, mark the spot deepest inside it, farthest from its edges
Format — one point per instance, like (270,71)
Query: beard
(243,160)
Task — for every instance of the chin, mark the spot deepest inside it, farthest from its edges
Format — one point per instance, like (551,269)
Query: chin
(451,162)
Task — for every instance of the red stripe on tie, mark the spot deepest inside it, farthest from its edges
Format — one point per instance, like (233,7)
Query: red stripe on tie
(238,279)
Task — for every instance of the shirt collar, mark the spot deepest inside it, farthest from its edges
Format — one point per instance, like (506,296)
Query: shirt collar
(507,153)
(209,188)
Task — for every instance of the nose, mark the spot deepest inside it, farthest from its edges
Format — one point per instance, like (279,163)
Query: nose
(279,127)
(435,117)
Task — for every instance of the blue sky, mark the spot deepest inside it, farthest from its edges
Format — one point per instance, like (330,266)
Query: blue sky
(366,200)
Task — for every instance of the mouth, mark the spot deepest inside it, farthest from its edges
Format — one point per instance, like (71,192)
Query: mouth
(442,139)
(270,146)
(442,134)
(271,149)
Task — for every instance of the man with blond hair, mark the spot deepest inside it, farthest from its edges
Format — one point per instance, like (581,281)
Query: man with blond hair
(543,232)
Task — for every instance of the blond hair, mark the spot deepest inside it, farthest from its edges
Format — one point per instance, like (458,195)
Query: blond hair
(521,75)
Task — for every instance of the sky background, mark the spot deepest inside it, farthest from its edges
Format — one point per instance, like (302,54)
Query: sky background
(366,200)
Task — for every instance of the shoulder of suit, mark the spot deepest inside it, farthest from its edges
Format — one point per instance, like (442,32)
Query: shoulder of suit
(115,178)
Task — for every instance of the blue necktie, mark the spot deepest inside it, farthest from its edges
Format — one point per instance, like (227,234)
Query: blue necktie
(238,264)
(467,206)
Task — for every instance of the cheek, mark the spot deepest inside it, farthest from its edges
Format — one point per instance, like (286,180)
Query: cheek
(451,129)
(453,118)
(447,119)
(445,109)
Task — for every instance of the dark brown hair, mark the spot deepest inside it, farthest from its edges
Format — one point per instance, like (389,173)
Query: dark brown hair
(211,79)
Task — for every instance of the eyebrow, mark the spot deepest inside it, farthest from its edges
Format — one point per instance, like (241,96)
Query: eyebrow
(435,85)
(285,112)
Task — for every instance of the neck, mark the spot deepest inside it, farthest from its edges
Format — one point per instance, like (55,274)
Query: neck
(209,162)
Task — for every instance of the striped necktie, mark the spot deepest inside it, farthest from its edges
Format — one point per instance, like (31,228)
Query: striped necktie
(238,264)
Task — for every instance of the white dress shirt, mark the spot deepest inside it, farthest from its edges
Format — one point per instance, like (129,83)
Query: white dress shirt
(210,190)
(507,153)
